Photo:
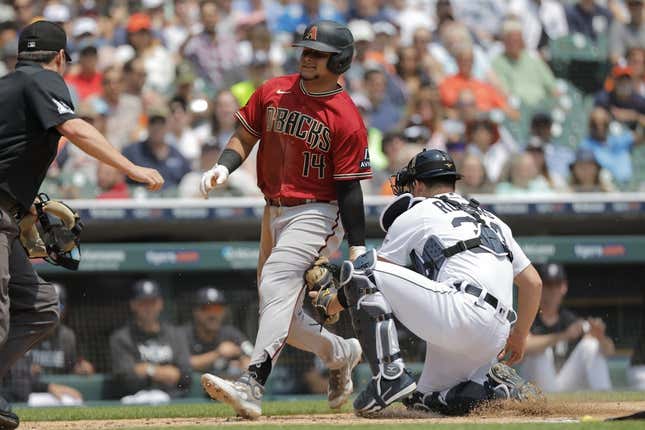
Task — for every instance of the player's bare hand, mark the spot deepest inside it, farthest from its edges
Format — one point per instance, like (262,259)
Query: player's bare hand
(150,177)
(59,391)
(597,327)
(212,178)
(574,331)
(228,349)
(513,352)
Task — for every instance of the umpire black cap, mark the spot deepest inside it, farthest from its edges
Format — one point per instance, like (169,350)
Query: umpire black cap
(43,36)
(330,36)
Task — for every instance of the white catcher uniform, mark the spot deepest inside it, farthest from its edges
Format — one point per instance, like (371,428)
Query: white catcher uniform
(464,333)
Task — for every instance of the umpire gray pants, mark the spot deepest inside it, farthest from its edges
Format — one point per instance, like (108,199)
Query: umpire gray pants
(28,305)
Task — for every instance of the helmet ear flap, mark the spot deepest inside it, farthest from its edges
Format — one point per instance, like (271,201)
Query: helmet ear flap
(339,63)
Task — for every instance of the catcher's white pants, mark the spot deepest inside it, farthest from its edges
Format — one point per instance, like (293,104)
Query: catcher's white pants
(292,239)
(463,335)
(585,369)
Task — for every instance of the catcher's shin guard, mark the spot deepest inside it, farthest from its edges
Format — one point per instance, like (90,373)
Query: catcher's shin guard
(372,317)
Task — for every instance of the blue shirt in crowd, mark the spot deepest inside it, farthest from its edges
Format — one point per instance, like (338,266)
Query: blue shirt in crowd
(172,168)
(614,154)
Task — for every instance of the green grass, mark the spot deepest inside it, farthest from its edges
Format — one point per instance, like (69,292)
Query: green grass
(187,410)
(633,425)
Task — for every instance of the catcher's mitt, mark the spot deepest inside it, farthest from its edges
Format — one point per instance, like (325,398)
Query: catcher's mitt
(322,277)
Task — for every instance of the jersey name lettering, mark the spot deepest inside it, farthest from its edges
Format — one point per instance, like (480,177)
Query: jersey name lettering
(299,125)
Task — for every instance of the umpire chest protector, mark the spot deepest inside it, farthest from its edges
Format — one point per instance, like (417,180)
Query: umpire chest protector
(330,36)
(435,253)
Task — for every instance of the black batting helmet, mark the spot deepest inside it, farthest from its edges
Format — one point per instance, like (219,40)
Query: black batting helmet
(427,164)
(330,36)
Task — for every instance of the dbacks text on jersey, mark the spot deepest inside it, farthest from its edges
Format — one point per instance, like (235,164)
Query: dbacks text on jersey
(299,125)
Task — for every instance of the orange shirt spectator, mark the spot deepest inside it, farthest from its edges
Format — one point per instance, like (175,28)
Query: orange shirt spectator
(87,81)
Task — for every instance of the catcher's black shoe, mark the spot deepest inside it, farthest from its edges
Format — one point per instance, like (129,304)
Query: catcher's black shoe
(416,402)
(509,380)
(381,392)
(8,420)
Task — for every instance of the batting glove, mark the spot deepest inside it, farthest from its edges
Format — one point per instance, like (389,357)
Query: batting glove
(219,173)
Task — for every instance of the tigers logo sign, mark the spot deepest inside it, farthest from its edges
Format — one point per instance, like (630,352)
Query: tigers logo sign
(312,33)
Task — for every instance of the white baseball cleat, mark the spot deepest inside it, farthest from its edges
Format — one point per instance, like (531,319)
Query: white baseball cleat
(340,380)
(244,395)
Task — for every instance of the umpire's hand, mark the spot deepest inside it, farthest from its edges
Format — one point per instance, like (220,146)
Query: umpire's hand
(147,176)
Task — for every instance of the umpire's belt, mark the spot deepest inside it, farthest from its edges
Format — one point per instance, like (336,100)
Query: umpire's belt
(474,290)
(291,201)
(10,205)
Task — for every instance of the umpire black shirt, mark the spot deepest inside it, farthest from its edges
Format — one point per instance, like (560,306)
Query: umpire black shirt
(34,101)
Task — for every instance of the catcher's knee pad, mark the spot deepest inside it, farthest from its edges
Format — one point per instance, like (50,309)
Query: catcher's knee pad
(372,316)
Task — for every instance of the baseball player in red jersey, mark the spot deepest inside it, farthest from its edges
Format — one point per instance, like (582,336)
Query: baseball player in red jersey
(311,156)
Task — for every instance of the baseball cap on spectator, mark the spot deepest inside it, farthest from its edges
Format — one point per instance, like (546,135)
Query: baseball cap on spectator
(146,289)
(57,13)
(138,22)
(84,26)
(152,4)
(209,295)
(158,113)
(43,36)
(361,30)
(620,71)
(552,273)
(384,27)
(584,155)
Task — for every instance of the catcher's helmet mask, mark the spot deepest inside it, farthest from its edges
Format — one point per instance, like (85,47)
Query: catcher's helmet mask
(427,164)
(330,36)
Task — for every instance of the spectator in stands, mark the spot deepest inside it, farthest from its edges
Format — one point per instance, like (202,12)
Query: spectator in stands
(148,354)
(369,10)
(524,178)
(22,384)
(124,111)
(474,180)
(25,11)
(612,149)
(483,139)
(9,54)
(623,36)
(636,62)
(57,353)
(486,96)
(385,114)
(542,21)
(410,69)
(158,63)
(301,14)
(558,157)
(621,99)
(536,148)
(111,183)
(565,352)
(215,347)
(156,152)
(87,80)
(259,70)
(589,18)
(213,53)
(222,120)
(181,26)
(180,135)
(426,110)
(363,39)
(421,44)
(483,18)
(521,73)
(587,175)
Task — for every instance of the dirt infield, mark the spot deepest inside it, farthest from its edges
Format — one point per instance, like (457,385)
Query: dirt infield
(506,413)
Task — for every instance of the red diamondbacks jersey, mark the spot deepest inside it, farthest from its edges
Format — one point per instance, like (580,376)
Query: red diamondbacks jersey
(307,140)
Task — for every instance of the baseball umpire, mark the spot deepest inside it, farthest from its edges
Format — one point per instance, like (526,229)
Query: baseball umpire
(459,298)
(311,156)
(37,111)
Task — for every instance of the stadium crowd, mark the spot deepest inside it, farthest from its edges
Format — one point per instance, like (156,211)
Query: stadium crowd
(528,96)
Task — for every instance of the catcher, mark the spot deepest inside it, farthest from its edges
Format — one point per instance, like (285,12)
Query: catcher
(38,111)
(458,298)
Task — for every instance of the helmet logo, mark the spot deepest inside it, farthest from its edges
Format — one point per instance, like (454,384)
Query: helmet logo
(312,33)
(449,165)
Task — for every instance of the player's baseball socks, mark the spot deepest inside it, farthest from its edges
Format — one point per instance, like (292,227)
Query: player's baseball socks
(340,380)
(518,388)
(244,395)
(8,420)
(382,392)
